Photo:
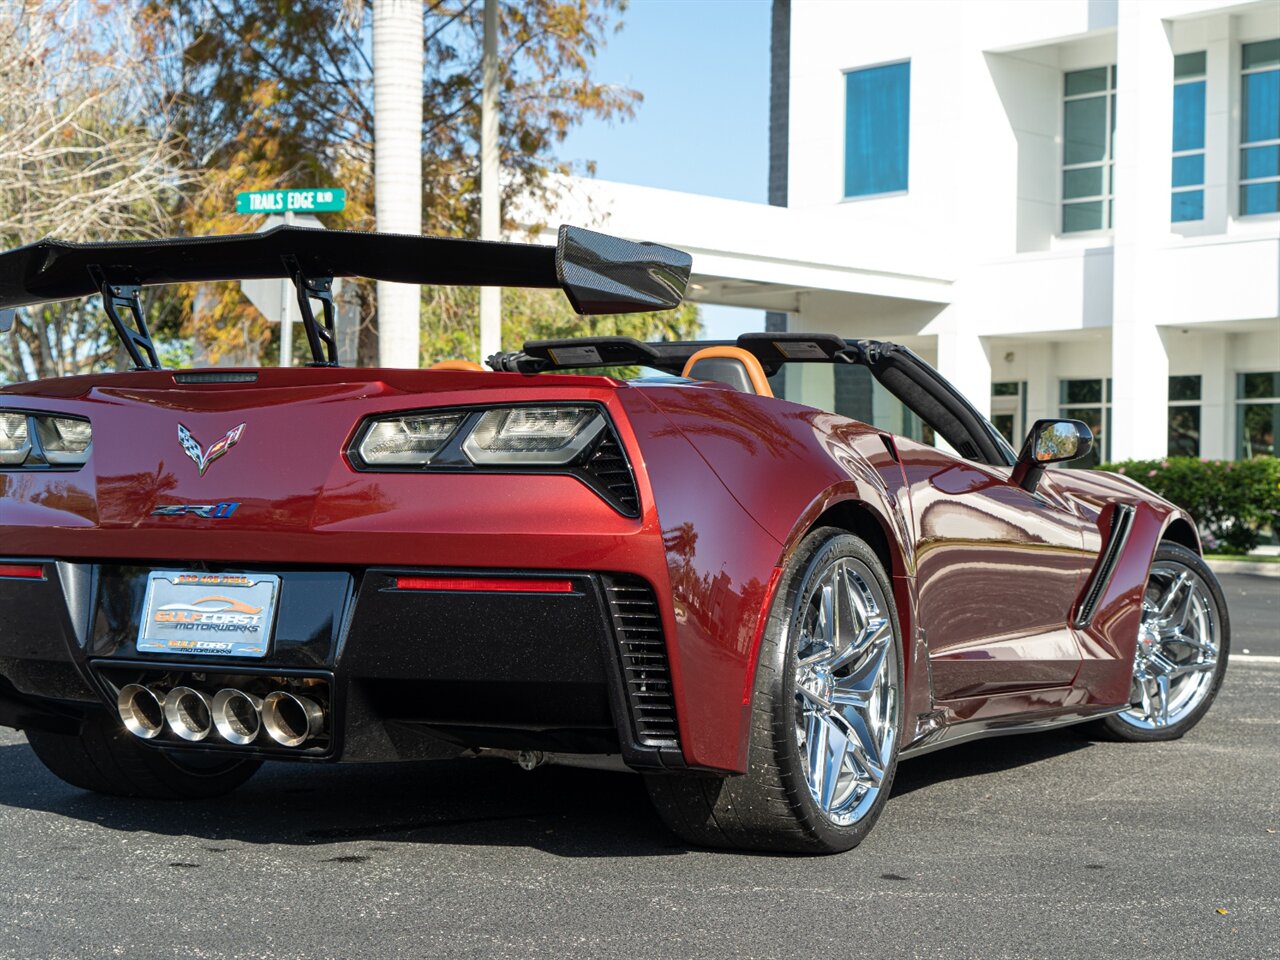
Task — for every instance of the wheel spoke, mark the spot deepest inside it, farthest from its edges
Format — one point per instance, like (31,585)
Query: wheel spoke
(1168,599)
(816,702)
(1183,669)
(815,733)
(827,616)
(864,745)
(837,747)
(1207,649)
(1162,704)
(848,626)
(862,679)
(1144,691)
(876,632)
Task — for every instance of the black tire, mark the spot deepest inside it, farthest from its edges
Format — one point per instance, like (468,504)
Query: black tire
(106,758)
(770,807)
(1116,728)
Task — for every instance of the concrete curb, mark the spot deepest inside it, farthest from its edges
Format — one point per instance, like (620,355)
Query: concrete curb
(1244,566)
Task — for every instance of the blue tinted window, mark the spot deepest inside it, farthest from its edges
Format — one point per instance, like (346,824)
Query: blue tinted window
(1261,106)
(1188,137)
(1188,205)
(1260,124)
(1188,116)
(1258,162)
(1188,171)
(1260,198)
(876,125)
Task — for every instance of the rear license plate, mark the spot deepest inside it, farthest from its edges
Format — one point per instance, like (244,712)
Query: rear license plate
(210,614)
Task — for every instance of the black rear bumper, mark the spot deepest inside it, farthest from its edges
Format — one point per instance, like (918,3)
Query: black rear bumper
(404,673)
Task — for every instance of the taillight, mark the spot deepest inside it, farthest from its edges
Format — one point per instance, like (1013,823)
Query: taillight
(15,439)
(41,440)
(408,440)
(64,441)
(572,439)
(533,435)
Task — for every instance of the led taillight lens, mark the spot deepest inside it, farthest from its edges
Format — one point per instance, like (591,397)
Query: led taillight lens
(15,439)
(408,441)
(550,435)
(65,441)
(37,440)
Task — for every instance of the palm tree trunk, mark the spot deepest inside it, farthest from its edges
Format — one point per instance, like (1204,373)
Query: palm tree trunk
(397,163)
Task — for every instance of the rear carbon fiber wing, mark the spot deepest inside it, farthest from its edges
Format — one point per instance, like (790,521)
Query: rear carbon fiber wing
(598,273)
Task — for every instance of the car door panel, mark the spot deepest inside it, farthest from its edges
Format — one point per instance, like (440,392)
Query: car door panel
(998,572)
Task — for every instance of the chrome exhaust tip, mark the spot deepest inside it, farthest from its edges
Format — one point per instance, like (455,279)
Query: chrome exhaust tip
(291,720)
(237,716)
(141,710)
(189,712)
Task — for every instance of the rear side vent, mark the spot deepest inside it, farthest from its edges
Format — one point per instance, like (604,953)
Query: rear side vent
(609,468)
(637,624)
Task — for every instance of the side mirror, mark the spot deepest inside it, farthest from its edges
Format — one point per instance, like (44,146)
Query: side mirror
(6,320)
(1050,441)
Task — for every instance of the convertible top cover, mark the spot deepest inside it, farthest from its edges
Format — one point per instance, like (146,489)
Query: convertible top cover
(598,273)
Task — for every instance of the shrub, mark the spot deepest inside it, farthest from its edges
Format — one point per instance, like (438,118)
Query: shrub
(1234,501)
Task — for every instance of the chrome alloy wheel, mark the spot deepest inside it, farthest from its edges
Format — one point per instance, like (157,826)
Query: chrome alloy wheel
(1177,648)
(845,690)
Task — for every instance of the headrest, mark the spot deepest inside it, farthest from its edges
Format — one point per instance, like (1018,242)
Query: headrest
(729,365)
(457,365)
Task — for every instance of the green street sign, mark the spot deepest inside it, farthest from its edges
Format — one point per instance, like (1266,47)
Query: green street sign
(311,200)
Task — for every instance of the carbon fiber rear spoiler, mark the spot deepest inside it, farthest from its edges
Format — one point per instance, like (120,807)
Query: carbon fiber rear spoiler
(598,273)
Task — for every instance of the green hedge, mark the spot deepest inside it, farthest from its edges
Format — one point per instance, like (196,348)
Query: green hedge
(1233,501)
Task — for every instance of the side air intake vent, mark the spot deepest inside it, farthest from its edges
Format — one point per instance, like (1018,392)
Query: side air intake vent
(1121,524)
(609,468)
(637,624)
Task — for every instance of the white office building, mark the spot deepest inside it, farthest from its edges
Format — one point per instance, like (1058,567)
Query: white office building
(1071,207)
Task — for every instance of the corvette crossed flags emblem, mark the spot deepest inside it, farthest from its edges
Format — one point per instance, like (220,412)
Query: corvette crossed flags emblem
(203,458)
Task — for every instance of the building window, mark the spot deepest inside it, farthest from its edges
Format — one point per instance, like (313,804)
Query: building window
(1188,137)
(1184,416)
(1090,401)
(1088,131)
(1257,414)
(1260,128)
(877,112)
(1009,410)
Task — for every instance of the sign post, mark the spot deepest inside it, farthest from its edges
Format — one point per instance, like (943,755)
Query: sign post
(276,299)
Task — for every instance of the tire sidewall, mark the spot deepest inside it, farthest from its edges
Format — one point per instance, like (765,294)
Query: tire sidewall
(818,550)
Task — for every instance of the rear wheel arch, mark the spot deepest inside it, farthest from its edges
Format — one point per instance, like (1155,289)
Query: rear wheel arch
(858,517)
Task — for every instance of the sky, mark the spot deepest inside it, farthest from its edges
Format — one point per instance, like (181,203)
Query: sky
(703,67)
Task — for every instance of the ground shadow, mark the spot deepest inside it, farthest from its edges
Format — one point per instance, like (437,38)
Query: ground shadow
(985,756)
(561,811)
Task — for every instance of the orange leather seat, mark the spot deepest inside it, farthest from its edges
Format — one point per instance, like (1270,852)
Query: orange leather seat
(457,365)
(729,365)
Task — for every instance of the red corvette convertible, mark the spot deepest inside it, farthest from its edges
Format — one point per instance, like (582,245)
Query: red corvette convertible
(759,605)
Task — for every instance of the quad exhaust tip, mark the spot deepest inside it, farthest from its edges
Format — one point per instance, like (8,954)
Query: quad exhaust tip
(237,716)
(142,710)
(291,720)
(189,713)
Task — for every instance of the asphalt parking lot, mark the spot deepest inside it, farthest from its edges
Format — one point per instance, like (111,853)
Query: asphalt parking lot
(1035,846)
